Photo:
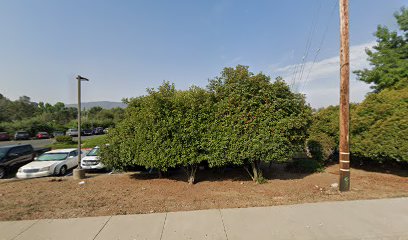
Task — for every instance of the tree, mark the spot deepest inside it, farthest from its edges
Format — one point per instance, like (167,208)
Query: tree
(165,129)
(389,57)
(380,126)
(255,120)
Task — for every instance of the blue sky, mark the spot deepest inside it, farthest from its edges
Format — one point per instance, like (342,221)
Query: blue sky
(125,47)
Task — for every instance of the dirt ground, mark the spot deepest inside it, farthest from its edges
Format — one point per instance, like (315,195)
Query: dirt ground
(132,193)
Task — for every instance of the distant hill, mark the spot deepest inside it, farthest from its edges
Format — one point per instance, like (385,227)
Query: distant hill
(102,104)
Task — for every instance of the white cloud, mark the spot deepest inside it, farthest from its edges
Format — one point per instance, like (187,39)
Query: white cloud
(321,86)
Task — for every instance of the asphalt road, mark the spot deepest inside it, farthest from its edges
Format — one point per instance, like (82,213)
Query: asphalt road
(38,143)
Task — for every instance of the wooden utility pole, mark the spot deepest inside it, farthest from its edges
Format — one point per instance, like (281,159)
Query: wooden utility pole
(344,157)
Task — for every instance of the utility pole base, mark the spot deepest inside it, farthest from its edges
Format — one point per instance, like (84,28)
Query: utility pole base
(344,181)
(78,173)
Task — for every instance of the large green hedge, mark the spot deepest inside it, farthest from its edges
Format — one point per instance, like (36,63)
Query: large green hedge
(241,119)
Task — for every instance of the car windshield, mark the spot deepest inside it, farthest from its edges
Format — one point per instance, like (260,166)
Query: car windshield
(52,157)
(94,152)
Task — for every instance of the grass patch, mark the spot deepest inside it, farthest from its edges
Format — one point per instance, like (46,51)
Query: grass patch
(96,141)
(88,143)
(62,145)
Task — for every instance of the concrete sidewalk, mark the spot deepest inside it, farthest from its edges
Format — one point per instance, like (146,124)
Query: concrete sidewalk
(368,219)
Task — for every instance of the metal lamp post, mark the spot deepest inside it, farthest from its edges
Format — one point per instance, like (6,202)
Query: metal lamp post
(79,173)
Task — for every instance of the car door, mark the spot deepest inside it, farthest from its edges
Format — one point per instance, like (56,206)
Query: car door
(27,154)
(72,159)
(14,156)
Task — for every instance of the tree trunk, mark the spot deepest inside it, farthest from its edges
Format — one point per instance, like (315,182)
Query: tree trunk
(191,179)
(191,174)
(254,171)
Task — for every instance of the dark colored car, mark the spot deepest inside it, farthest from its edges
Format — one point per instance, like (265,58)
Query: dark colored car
(98,131)
(4,136)
(14,156)
(22,135)
(87,132)
(42,135)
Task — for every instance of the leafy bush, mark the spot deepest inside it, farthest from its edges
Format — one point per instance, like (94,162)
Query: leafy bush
(256,120)
(305,165)
(240,119)
(63,139)
(320,146)
(380,126)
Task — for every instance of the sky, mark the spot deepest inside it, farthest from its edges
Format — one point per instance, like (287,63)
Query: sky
(124,47)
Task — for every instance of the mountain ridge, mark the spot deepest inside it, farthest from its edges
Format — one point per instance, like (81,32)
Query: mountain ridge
(102,104)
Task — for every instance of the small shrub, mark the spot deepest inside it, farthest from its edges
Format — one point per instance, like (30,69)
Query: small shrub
(63,139)
(305,165)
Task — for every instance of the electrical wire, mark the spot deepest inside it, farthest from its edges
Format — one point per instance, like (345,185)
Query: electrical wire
(335,5)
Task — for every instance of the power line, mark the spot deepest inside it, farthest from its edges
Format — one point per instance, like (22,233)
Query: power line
(313,30)
(321,42)
(299,68)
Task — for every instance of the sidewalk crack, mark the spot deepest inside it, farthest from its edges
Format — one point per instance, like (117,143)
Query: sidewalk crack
(100,230)
(164,224)
(223,225)
(25,230)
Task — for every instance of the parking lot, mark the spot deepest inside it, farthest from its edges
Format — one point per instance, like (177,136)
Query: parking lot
(37,143)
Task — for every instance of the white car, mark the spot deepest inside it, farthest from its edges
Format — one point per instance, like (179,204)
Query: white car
(92,160)
(55,162)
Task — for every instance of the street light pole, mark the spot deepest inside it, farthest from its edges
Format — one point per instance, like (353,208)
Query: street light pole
(79,173)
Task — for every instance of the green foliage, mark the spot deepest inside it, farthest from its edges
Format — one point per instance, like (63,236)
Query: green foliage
(380,126)
(326,121)
(255,120)
(62,145)
(162,130)
(31,125)
(23,114)
(95,141)
(389,57)
(242,118)
(305,165)
(378,130)
(321,146)
(63,139)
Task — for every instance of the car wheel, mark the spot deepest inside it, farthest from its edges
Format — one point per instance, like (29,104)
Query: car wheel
(2,172)
(63,170)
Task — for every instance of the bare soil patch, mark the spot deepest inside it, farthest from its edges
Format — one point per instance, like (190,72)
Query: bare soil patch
(135,193)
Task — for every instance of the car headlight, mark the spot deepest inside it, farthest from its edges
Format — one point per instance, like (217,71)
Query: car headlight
(45,169)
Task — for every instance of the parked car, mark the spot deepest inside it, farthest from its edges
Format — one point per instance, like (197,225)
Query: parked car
(4,136)
(55,162)
(87,132)
(13,156)
(57,133)
(92,160)
(98,131)
(22,135)
(72,132)
(42,135)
